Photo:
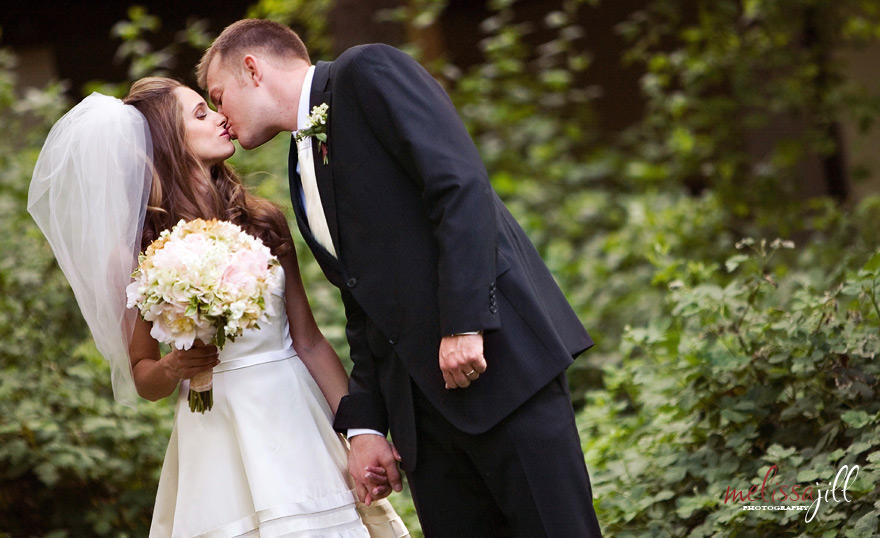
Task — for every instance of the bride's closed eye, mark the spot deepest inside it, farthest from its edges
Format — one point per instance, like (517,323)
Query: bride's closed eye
(201,111)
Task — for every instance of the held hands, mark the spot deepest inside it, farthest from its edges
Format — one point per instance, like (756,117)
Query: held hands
(461,359)
(372,463)
(183,364)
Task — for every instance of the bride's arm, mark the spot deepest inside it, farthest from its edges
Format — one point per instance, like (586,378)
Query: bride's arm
(311,346)
(156,377)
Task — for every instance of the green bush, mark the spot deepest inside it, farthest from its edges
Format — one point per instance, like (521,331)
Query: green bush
(757,362)
(72,462)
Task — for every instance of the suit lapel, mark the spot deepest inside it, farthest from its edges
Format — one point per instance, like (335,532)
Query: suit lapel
(323,172)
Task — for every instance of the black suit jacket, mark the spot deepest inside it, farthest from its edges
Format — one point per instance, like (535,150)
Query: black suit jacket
(426,249)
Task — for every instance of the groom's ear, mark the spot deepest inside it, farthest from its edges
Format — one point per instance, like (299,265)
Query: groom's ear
(253,69)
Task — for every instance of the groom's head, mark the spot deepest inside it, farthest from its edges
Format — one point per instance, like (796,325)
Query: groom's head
(247,73)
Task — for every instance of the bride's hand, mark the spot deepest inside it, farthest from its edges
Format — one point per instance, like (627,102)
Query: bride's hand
(183,364)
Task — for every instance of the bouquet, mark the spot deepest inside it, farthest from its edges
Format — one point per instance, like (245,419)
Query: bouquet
(205,280)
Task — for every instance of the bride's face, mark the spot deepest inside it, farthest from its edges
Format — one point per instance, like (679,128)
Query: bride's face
(206,131)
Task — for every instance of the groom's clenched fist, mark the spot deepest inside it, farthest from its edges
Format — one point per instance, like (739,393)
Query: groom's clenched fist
(461,359)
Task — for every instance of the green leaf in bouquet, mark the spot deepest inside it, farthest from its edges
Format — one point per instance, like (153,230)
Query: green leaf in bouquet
(193,307)
(220,337)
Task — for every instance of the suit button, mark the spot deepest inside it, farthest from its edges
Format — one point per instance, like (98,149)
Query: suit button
(351,282)
(493,309)
(392,341)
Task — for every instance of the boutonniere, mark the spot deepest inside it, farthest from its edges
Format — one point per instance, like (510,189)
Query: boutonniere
(316,126)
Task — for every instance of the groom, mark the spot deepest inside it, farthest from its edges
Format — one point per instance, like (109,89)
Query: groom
(458,333)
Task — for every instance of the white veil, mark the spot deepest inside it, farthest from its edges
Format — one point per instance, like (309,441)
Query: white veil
(89,196)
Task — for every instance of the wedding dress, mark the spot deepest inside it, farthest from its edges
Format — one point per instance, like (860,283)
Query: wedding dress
(265,461)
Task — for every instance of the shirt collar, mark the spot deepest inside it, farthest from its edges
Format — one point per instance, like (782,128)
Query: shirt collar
(302,112)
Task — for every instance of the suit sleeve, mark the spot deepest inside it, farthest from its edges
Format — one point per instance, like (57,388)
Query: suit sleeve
(417,123)
(363,406)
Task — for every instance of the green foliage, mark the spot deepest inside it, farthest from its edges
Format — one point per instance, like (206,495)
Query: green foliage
(142,57)
(71,460)
(719,74)
(65,444)
(419,14)
(307,17)
(758,362)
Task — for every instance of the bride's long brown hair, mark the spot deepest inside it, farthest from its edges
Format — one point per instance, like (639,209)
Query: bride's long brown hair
(183,188)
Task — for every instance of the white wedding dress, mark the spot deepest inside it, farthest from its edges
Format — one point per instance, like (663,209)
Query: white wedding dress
(265,461)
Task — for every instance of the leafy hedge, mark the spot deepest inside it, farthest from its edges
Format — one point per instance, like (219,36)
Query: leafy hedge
(757,363)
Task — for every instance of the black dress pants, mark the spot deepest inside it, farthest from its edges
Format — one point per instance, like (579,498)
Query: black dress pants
(524,478)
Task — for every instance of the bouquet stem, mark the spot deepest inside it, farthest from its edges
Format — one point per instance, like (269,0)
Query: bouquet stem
(201,393)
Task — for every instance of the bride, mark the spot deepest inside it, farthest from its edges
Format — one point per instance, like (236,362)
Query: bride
(265,460)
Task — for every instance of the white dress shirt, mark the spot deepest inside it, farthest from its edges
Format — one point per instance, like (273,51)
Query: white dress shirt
(302,111)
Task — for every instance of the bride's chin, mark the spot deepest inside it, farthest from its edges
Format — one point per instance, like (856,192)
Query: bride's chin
(228,153)
(218,160)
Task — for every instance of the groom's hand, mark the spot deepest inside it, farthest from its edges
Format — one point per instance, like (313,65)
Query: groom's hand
(461,359)
(371,461)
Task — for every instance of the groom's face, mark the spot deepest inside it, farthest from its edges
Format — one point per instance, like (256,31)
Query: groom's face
(242,102)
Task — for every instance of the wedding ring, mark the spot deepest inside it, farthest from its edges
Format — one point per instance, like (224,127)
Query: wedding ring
(469,373)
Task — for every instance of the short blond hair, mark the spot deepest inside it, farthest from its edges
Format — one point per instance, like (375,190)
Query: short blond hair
(251,34)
